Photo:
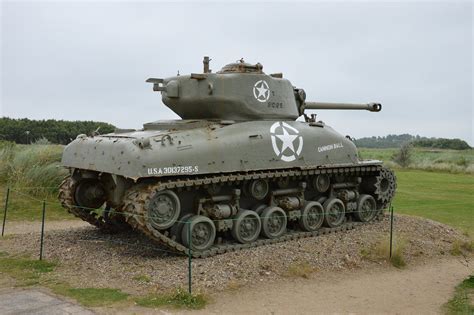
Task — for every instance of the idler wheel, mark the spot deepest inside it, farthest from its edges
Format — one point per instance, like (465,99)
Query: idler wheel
(366,208)
(312,216)
(89,194)
(203,233)
(334,212)
(273,222)
(246,227)
(163,209)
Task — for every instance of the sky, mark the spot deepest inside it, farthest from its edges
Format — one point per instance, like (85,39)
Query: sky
(89,60)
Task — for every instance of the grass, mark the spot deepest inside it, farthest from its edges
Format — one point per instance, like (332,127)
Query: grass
(142,278)
(33,174)
(462,301)
(26,271)
(234,284)
(177,299)
(30,272)
(32,166)
(381,252)
(24,206)
(443,197)
(91,296)
(300,269)
(462,248)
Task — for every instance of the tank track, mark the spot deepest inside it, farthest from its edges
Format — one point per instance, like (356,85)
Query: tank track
(134,206)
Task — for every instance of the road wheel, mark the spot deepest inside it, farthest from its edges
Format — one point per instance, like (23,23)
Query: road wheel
(163,209)
(203,233)
(273,222)
(334,212)
(366,208)
(312,216)
(246,226)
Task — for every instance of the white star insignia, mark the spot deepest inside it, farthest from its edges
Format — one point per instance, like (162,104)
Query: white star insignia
(262,91)
(287,140)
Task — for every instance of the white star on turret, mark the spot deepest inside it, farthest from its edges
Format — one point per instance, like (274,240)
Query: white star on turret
(287,140)
(262,91)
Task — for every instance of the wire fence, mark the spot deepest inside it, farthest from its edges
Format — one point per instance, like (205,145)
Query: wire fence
(187,224)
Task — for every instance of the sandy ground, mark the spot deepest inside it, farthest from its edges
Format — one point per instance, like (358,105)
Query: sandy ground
(416,290)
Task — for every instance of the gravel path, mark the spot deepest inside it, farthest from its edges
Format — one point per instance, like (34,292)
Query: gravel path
(89,258)
(25,227)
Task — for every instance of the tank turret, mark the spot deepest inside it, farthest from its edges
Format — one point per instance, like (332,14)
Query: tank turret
(239,91)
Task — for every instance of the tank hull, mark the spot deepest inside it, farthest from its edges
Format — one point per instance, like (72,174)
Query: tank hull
(226,177)
(206,147)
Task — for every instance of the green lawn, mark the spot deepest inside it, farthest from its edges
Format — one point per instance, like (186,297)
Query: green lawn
(26,206)
(444,197)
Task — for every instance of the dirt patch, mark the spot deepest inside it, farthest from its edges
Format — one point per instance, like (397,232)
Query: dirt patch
(129,261)
(420,289)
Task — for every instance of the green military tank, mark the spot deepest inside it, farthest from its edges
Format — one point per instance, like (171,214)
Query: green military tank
(237,171)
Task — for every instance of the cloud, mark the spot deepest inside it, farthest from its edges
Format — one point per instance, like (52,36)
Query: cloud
(89,60)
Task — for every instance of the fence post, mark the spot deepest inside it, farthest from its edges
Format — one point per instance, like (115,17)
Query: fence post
(42,230)
(189,258)
(5,210)
(391,229)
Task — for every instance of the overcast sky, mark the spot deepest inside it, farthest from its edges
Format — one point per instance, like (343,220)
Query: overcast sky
(89,60)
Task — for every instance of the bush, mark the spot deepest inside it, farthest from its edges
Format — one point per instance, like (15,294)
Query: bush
(404,155)
(42,141)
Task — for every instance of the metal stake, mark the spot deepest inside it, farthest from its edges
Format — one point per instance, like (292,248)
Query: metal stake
(5,211)
(42,230)
(189,258)
(391,229)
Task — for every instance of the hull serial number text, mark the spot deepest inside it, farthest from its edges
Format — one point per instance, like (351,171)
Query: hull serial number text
(173,170)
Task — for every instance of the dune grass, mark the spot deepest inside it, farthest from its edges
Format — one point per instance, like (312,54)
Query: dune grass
(33,174)
(36,167)
(438,160)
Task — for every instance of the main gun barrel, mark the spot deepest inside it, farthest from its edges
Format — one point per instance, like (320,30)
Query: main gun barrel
(373,107)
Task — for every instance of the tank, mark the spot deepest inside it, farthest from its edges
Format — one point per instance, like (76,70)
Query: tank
(245,166)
